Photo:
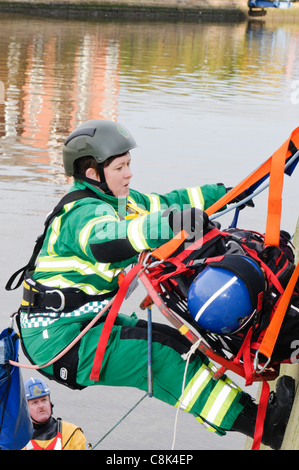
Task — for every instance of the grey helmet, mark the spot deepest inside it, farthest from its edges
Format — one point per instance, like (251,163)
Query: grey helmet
(97,138)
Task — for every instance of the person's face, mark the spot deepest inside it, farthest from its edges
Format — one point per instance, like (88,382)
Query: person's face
(118,175)
(40,409)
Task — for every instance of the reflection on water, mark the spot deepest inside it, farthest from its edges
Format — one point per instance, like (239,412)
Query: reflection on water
(60,73)
(206,103)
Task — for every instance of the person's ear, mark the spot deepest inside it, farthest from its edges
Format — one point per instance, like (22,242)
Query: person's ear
(92,174)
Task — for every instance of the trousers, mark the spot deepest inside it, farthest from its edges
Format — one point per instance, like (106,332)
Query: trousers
(214,403)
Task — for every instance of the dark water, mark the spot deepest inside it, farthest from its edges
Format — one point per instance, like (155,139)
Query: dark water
(206,103)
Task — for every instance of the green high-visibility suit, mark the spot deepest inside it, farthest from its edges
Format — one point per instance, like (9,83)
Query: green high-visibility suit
(86,247)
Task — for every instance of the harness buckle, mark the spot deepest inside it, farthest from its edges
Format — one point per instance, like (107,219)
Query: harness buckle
(62,298)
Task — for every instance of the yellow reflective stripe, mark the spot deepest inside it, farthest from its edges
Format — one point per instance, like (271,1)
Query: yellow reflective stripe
(25,303)
(218,403)
(28,287)
(136,236)
(155,203)
(85,232)
(61,282)
(196,197)
(194,388)
(103,270)
(233,385)
(64,264)
(131,200)
(46,264)
(206,425)
(55,229)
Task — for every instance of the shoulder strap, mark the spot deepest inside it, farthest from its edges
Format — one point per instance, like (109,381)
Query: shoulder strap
(59,425)
(70,197)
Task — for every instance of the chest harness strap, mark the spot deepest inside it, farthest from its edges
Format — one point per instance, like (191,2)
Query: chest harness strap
(56,444)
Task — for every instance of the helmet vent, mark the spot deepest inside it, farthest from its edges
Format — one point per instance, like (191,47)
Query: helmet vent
(83,131)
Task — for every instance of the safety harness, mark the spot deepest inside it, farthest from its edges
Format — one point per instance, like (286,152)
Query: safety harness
(43,301)
(39,299)
(56,443)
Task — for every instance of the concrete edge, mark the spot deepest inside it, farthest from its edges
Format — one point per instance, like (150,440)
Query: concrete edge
(123,11)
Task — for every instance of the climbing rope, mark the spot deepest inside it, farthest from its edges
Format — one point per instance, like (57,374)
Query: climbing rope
(186,357)
(107,433)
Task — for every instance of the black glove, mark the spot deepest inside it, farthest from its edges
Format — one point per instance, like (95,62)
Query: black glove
(193,220)
(239,198)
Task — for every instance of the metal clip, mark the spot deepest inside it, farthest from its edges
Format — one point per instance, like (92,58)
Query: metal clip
(62,298)
(256,363)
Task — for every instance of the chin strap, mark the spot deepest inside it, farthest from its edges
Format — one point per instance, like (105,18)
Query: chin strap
(103,186)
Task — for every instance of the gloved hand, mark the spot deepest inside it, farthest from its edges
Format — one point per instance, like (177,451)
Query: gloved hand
(192,220)
(239,198)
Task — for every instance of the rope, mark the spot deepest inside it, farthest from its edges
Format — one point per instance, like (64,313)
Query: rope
(64,351)
(107,433)
(187,358)
(254,193)
(149,353)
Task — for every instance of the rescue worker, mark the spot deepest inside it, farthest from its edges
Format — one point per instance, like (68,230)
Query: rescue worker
(99,230)
(49,433)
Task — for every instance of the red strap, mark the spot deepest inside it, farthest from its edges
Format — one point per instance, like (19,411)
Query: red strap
(263,403)
(199,243)
(271,277)
(33,445)
(109,322)
(261,414)
(247,361)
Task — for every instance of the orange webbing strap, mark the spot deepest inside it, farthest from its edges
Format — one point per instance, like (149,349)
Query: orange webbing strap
(164,251)
(278,159)
(258,174)
(280,155)
(273,329)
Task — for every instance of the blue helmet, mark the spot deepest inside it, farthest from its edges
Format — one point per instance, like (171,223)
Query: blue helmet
(35,388)
(226,294)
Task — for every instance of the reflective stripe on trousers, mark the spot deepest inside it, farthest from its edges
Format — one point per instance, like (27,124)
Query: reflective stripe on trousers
(220,398)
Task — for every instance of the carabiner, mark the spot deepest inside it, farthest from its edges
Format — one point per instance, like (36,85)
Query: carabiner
(256,363)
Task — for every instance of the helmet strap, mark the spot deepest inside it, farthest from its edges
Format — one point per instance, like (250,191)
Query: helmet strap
(102,173)
(102,185)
